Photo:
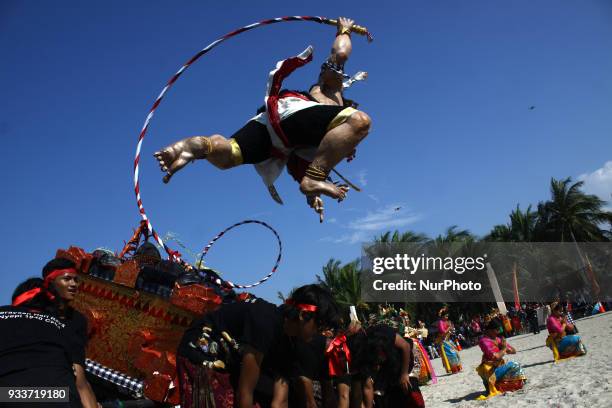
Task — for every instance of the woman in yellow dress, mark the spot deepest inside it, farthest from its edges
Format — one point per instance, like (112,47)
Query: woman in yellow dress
(498,375)
(562,344)
(450,354)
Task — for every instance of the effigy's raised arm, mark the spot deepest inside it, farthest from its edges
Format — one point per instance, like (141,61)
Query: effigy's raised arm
(342,46)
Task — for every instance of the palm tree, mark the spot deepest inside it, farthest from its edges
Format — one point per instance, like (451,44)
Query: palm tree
(408,236)
(344,281)
(500,233)
(389,243)
(282,297)
(452,234)
(451,242)
(523,224)
(521,228)
(571,215)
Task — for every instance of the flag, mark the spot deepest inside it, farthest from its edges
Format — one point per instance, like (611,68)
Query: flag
(496,291)
(589,270)
(517,300)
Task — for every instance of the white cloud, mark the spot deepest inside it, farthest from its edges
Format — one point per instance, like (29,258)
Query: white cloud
(374,198)
(361,176)
(599,182)
(383,219)
(352,238)
(389,217)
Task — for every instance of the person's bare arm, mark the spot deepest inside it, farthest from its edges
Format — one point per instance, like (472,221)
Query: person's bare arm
(88,398)
(500,354)
(406,350)
(280,396)
(308,392)
(566,325)
(559,335)
(503,350)
(344,395)
(249,375)
(368,393)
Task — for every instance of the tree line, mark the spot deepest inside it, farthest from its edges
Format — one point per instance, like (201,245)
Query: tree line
(569,215)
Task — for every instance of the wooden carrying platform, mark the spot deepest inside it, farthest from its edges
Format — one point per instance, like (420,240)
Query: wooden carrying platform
(135,332)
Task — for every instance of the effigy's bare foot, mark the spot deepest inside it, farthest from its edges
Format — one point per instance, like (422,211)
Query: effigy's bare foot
(310,187)
(174,157)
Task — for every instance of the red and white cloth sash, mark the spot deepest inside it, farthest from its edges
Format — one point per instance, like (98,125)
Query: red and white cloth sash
(338,356)
(278,108)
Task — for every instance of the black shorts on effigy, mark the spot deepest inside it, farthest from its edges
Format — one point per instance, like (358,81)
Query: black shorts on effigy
(306,127)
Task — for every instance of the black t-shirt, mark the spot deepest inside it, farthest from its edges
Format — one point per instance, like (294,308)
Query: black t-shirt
(257,324)
(30,337)
(76,333)
(309,359)
(390,368)
(35,351)
(386,334)
(374,354)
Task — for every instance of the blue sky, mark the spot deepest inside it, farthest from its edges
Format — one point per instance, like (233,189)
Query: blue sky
(449,90)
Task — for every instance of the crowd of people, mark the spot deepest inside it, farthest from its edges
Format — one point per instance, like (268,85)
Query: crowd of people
(467,330)
(303,353)
(445,339)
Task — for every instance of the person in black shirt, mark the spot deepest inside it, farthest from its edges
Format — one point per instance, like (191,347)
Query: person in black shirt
(384,356)
(254,343)
(45,337)
(532,317)
(309,365)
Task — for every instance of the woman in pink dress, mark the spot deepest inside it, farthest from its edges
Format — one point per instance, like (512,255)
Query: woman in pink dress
(566,345)
(450,354)
(498,375)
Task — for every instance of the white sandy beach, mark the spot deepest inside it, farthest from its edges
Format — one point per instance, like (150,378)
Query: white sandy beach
(578,382)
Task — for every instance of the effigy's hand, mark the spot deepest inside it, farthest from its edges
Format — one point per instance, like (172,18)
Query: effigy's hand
(345,24)
(316,203)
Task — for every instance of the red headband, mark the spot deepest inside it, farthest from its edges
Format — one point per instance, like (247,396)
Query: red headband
(30,294)
(25,296)
(56,274)
(301,306)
